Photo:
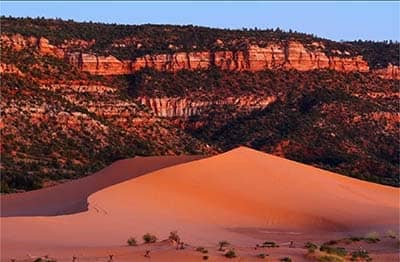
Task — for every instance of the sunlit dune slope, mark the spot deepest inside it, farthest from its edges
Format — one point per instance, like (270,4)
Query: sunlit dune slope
(244,187)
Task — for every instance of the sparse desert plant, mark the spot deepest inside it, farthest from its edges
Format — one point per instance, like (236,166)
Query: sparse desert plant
(149,238)
(391,234)
(223,244)
(44,260)
(269,244)
(202,250)
(361,254)
(230,254)
(173,235)
(356,239)
(330,258)
(131,241)
(286,259)
(340,251)
(331,242)
(262,255)
(372,237)
(205,257)
(311,247)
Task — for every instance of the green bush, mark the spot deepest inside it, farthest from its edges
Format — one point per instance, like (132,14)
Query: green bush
(391,234)
(340,251)
(331,242)
(311,247)
(372,237)
(149,238)
(174,236)
(230,254)
(356,239)
(202,250)
(44,260)
(330,258)
(269,244)
(361,254)
(223,244)
(131,241)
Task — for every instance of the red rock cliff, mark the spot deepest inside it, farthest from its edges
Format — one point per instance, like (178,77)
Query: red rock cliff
(18,42)
(390,72)
(274,56)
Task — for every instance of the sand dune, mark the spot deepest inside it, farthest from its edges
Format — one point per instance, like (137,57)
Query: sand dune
(72,197)
(245,187)
(240,195)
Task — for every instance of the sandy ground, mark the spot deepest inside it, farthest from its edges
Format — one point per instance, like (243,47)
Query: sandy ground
(243,196)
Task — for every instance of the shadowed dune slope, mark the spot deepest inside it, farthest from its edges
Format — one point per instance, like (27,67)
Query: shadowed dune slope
(247,188)
(72,197)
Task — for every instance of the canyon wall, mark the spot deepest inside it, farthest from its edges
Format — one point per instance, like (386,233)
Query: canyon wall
(19,42)
(183,107)
(284,56)
(274,56)
(390,72)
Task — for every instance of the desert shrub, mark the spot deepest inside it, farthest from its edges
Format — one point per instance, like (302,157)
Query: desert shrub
(331,242)
(311,247)
(286,259)
(391,234)
(205,257)
(174,236)
(361,254)
(356,239)
(372,237)
(131,241)
(223,244)
(262,255)
(230,254)
(329,258)
(149,238)
(340,251)
(269,244)
(44,260)
(202,250)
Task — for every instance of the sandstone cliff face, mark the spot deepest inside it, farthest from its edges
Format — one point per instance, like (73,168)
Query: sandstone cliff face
(183,107)
(98,65)
(293,55)
(19,42)
(390,72)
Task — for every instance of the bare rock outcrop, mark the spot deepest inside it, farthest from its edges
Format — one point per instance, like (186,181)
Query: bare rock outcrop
(390,72)
(285,56)
(43,46)
(185,107)
(292,55)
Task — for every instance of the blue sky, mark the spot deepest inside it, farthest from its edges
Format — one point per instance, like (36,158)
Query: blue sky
(333,20)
